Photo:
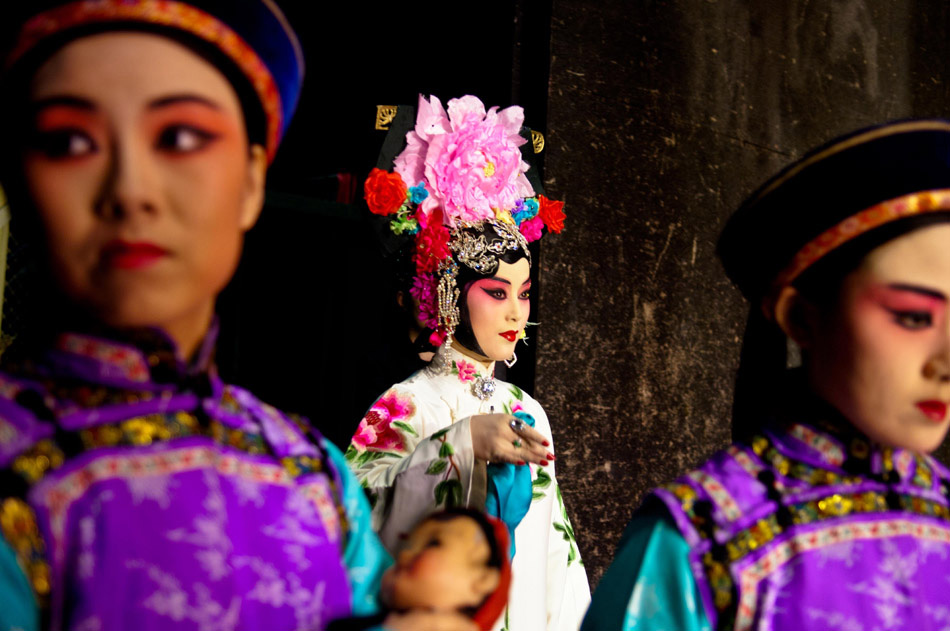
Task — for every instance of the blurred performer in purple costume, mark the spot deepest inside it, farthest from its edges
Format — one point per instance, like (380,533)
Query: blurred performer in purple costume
(828,512)
(138,490)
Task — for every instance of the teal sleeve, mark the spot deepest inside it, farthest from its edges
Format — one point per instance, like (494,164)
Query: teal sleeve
(18,609)
(649,586)
(365,557)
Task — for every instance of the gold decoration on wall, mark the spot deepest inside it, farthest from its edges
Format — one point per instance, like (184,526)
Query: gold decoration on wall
(385,115)
(537,141)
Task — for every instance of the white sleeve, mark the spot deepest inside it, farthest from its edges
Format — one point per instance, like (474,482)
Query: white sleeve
(414,458)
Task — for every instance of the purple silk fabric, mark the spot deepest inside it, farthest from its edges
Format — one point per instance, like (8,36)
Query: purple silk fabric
(183,503)
(810,529)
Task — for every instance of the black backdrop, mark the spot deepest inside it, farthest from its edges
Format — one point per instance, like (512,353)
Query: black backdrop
(309,322)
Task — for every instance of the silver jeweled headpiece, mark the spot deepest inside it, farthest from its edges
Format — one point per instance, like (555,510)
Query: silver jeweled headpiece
(481,254)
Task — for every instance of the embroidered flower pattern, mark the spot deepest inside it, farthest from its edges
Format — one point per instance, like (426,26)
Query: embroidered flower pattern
(466,371)
(379,429)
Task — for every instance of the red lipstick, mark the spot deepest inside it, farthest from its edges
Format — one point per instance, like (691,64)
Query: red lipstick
(511,336)
(936,411)
(131,254)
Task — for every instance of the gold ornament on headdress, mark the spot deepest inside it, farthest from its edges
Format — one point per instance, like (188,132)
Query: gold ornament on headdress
(385,115)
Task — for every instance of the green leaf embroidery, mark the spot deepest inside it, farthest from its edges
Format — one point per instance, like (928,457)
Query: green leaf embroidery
(405,427)
(455,494)
(449,492)
(437,467)
(446,450)
(506,408)
(370,456)
(537,495)
(439,434)
(350,453)
(567,530)
(543,480)
(560,502)
(515,390)
(440,492)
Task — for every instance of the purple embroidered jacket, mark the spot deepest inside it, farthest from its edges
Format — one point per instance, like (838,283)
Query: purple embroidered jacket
(143,493)
(811,528)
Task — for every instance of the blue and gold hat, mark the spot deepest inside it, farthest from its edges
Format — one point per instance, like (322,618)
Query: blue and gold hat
(253,35)
(840,192)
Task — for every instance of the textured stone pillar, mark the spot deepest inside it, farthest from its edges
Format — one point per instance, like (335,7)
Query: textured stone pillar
(662,117)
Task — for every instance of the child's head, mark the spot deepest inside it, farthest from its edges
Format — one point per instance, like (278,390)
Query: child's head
(142,159)
(456,560)
(858,275)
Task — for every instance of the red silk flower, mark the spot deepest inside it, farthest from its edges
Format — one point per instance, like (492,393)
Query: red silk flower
(551,213)
(385,192)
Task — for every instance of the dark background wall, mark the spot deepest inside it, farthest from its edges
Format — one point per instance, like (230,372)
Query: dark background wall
(662,116)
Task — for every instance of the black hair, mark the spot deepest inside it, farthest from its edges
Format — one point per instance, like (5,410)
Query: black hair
(466,276)
(495,552)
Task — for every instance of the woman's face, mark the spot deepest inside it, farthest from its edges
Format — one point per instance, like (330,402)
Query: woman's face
(498,308)
(139,168)
(882,357)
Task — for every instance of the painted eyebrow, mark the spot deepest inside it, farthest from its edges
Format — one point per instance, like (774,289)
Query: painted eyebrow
(65,101)
(507,282)
(930,293)
(175,99)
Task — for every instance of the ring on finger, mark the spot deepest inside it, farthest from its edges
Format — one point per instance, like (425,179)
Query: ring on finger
(516,424)
(517,443)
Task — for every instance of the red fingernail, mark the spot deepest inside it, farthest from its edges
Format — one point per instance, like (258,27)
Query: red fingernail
(550,456)
(546,444)
(521,462)
(544,463)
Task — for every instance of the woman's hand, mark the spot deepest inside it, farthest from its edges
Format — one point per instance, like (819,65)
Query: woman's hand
(505,438)
(428,621)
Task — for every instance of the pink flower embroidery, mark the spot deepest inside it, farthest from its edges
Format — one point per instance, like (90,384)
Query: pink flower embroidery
(517,407)
(376,432)
(466,370)
(469,158)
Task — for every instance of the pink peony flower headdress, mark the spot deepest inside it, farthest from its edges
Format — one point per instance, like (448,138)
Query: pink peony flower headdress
(461,168)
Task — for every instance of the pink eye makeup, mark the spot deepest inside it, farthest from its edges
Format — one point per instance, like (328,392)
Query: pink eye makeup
(493,288)
(911,307)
